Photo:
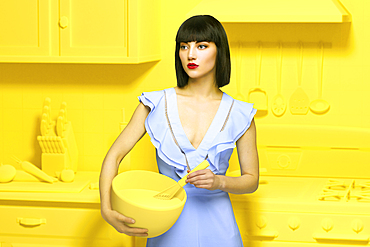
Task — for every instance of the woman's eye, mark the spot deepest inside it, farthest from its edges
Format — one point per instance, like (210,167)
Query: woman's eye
(183,47)
(202,47)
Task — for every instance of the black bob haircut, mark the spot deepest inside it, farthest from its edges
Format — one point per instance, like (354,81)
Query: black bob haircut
(204,28)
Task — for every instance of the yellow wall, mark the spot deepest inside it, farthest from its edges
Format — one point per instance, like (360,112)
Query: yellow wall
(96,94)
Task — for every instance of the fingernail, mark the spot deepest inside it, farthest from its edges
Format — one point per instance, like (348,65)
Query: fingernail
(132,221)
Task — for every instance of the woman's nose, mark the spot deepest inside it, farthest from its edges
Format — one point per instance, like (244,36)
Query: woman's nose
(192,53)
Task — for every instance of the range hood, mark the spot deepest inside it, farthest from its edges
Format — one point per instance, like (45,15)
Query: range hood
(273,11)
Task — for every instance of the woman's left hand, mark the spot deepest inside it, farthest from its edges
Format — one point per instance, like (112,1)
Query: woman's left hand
(205,179)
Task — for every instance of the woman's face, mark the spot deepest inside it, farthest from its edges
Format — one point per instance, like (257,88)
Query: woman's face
(199,59)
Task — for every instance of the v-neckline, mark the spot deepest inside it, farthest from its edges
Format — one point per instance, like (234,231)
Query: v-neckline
(179,130)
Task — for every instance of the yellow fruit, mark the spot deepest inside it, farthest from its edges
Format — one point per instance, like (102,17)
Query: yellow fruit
(67,176)
(7,173)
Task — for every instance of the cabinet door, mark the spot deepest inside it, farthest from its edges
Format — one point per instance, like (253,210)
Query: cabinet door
(93,28)
(25,28)
(82,227)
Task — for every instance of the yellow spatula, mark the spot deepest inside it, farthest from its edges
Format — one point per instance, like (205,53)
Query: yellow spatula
(168,193)
(299,101)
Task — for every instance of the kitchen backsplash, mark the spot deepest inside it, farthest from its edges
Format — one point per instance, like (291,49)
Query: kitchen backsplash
(96,94)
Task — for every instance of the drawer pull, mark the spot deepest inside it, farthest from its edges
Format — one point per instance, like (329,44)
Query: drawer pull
(340,237)
(266,234)
(30,222)
(63,22)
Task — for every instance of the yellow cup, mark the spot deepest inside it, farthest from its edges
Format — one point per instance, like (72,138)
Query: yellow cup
(132,196)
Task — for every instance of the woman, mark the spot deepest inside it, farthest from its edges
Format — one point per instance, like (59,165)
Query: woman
(187,124)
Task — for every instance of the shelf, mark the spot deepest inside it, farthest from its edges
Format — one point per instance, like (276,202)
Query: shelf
(274,11)
(79,60)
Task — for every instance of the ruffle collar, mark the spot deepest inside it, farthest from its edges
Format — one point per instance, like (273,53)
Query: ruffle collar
(196,155)
(213,143)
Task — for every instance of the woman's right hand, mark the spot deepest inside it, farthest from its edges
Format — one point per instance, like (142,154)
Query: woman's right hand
(119,221)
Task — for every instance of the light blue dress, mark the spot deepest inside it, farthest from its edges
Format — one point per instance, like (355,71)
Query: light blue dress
(207,219)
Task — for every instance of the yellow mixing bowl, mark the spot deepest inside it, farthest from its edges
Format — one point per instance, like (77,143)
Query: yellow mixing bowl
(132,195)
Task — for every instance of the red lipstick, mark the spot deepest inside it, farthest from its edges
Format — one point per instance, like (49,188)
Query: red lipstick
(192,66)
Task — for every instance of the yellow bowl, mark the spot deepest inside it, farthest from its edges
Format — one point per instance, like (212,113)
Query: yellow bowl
(132,196)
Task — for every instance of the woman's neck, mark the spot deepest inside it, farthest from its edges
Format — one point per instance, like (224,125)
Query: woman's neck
(201,89)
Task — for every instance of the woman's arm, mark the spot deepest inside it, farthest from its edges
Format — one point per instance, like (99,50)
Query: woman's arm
(133,132)
(249,166)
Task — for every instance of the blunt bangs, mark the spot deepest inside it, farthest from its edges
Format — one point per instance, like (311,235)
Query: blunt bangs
(204,28)
(196,29)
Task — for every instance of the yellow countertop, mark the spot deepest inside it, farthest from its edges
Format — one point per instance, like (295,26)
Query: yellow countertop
(86,181)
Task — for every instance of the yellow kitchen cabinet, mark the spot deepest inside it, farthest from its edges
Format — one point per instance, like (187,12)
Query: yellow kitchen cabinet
(66,226)
(46,218)
(79,31)
(25,29)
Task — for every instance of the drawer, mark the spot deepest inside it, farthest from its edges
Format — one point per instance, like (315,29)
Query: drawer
(55,222)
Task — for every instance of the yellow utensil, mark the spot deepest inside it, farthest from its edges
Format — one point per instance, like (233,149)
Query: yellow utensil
(239,95)
(279,104)
(168,193)
(257,95)
(319,105)
(34,170)
(299,101)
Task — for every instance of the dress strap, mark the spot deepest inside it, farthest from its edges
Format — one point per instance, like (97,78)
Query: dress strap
(173,135)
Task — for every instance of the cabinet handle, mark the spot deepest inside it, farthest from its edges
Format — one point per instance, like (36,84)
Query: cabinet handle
(63,22)
(30,222)
(264,234)
(340,237)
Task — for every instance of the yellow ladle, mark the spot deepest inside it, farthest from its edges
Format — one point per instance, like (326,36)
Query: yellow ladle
(319,105)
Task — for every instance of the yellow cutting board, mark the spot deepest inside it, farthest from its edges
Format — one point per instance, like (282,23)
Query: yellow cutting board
(58,187)
(38,186)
